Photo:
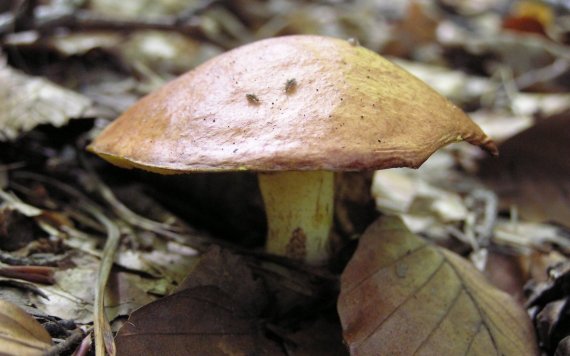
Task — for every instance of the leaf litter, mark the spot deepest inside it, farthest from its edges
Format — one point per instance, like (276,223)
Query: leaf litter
(221,307)
(20,334)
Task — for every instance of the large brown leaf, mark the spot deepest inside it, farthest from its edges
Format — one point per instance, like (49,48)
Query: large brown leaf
(403,296)
(224,308)
(20,334)
(533,171)
(197,321)
(214,312)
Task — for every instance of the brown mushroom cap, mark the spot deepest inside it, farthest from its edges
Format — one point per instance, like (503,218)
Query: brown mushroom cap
(350,109)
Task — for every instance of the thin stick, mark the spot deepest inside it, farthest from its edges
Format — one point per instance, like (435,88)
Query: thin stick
(194,240)
(102,328)
(74,339)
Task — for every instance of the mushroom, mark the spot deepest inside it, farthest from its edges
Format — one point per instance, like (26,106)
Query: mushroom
(295,109)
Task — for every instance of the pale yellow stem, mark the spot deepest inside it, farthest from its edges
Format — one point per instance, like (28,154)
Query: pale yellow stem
(299,209)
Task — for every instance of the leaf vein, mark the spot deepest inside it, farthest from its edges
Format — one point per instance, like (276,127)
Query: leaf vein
(440,321)
(481,314)
(379,269)
(420,287)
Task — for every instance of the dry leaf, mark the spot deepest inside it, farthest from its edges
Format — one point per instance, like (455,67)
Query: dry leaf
(229,272)
(214,311)
(197,321)
(506,272)
(402,296)
(549,305)
(532,172)
(545,104)
(20,334)
(528,237)
(16,229)
(414,31)
(529,17)
(455,85)
(27,102)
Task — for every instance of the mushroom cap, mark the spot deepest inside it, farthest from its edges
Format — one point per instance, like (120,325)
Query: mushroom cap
(347,109)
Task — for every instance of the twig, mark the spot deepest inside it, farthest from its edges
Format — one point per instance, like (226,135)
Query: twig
(73,340)
(544,74)
(69,190)
(15,203)
(20,15)
(84,347)
(84,20)
(102,328)
(11,166)
(484,228)
(36,274)
(464,236)
(24,285)
(135,219)
(27,261)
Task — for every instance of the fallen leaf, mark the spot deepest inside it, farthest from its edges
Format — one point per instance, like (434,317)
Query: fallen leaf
(354,207)
(223,307)
(552,323)
(549,305)
(197,321)
(71,297)
(402,296)
(28,101)
(16,229)
(505,271)
(414,31)
(545,104)
(529,17)
(214,311)
(532,172)
(563,347)
(456,85)
(521,54)
(502,124)
(229,272)
(527,237)
(402,191)
(138,10)
(20,334)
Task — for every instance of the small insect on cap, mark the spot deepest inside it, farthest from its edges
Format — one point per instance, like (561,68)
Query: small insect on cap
(288,103)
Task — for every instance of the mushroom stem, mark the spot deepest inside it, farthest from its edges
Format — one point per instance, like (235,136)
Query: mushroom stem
(299,209)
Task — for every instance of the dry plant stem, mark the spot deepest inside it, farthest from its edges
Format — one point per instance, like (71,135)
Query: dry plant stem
(103,334)
(299,209)
(36,274)
(134,219)
(72,340)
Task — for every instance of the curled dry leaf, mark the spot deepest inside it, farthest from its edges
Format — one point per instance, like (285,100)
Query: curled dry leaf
(402,296)
(20,334)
